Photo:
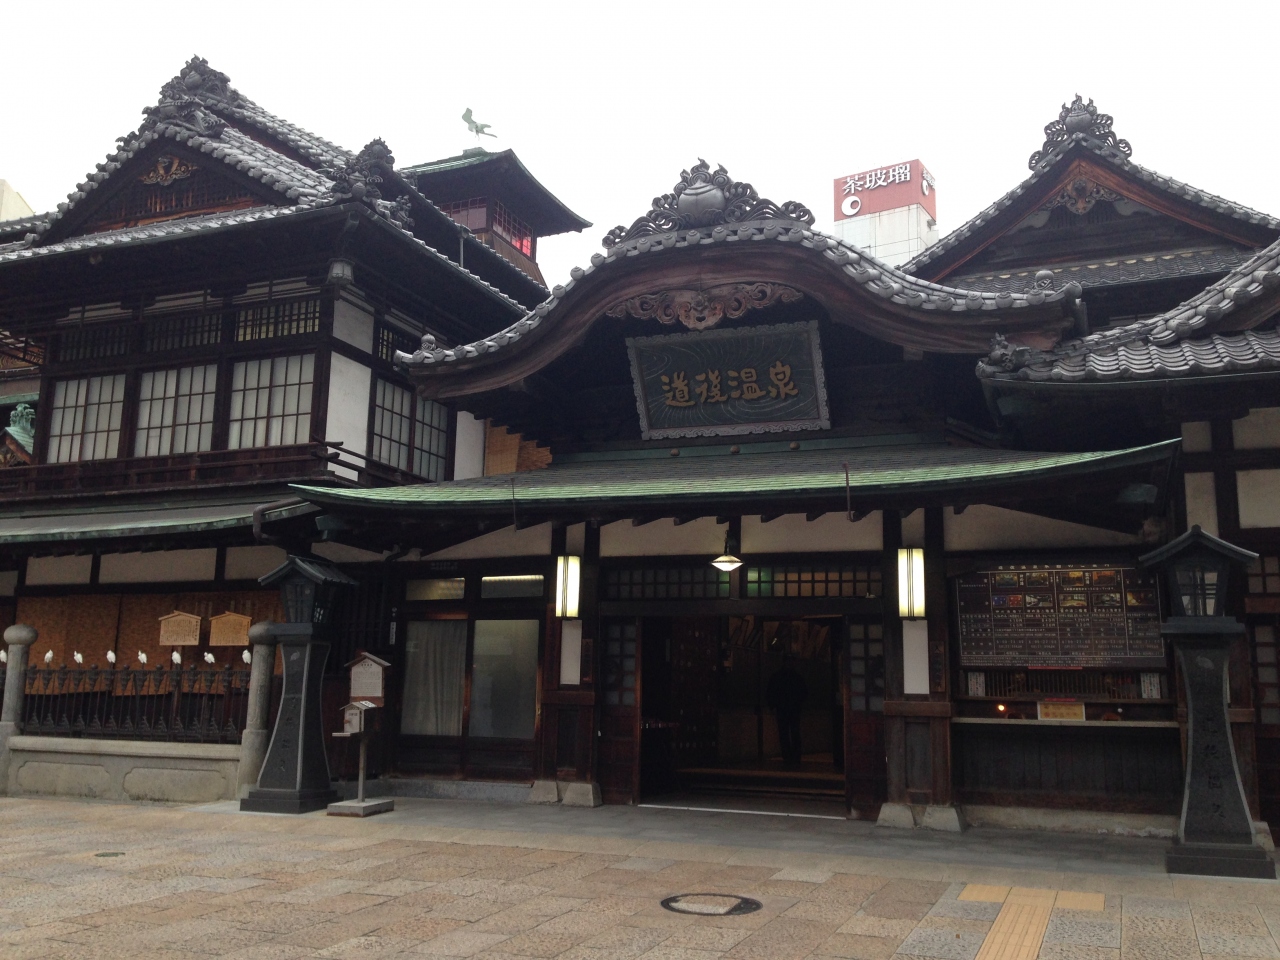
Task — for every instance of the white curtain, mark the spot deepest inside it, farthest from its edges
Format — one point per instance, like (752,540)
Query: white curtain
(435,667)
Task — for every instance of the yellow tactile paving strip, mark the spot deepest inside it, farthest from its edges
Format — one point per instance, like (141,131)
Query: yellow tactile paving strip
(1018,930)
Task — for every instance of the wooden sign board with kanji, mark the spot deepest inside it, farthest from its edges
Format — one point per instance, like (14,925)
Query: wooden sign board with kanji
(180,629)
(368,678)
(229,630)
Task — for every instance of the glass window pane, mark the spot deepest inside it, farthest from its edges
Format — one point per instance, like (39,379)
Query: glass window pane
(435,660)
(527,585)
(504,678)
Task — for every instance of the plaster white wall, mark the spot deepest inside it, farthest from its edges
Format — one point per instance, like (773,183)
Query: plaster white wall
(1202,502)
(468,447)
(1196,437)
(913,529)
(250,563)
(348,417)
(915,656)
(353,325)
(47,571)
(662,538)
(1260,430)
(507,542)
(575,539)
(1259,496)
(830,533)
(341,553)
(983,527)
(161,566)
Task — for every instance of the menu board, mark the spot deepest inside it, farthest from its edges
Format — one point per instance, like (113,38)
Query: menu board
(1059,616)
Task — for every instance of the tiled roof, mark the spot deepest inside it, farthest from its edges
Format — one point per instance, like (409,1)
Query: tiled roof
(858,268)
(1063,155)
(17,229)
(1108,273)
(1202,335)
(606,484)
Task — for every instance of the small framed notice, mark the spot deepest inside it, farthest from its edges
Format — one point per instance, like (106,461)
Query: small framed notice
(180,629)
(1058,710)
(229,630)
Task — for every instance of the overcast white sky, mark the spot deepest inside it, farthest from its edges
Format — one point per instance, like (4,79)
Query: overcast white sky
(605,102)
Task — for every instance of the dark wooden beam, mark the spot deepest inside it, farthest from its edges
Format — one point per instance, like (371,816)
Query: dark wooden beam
(813,515)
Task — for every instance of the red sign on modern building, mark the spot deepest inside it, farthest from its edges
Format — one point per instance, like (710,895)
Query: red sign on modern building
(885,188)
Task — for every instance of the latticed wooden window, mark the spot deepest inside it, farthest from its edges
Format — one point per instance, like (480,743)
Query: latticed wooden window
(866,668)
(86,419)
(813,580)
(184,330)
(390,340)
(409,433)
(512,229)
(472,214)
(619,665)
(1264,575)
(271,401)
(289,318)
(93,343)
(175,411)
(703,582)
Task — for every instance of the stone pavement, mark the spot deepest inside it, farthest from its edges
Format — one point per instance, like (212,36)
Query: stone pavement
(439,880)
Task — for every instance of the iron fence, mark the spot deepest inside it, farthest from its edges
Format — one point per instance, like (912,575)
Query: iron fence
(193,703)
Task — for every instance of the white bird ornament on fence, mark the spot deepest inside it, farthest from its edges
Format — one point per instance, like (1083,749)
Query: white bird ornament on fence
(208,657)
(142,657)
(176,657)
(246,656)
(4,656)
(77,657)
(48,658)
(111,657)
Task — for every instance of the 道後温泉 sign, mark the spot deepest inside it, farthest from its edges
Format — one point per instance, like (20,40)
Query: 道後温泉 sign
(725,382)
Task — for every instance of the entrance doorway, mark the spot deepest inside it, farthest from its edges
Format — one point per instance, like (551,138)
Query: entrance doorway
(748,706)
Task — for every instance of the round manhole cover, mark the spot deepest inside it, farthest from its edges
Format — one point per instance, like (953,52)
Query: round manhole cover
(711,904)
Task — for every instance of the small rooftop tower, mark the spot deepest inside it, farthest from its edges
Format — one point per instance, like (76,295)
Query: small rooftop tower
(498,199)
(890,212)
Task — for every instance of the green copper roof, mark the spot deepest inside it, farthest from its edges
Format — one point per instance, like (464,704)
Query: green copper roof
(799,474)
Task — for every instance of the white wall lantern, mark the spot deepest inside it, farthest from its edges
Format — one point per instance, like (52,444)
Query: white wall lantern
(568,585)
(911,583)
(728,561)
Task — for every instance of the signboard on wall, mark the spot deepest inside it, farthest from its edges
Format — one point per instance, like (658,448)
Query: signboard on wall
(1059,616)
(180,629)
(727,382)
(229,630)
(885,188)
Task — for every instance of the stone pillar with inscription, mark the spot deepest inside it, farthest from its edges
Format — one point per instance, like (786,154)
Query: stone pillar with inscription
(295,773)
(18,638)
(1215,833)
(253,742)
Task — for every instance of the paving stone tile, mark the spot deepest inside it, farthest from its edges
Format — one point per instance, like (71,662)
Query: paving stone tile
(1077,951)
(896,909)
(855,947)
(1241,922)
(1155,907)
(1238,945)
(965,910)
(458,943)
(1082,927)
(941,943)
(1177,927)
(367,948)
(1159,948)
(701,936)
(891,927)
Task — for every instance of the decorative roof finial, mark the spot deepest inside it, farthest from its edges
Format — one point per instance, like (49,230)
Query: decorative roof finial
(198,79)
(705,199)
(1082,120)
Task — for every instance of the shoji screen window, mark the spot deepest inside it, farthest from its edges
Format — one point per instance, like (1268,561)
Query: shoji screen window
(86,419)
(271,401)
(409,433)
(175,411)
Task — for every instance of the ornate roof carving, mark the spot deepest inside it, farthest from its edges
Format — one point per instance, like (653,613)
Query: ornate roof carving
(198,79)
(704,198)
(1080,195)
(703,309)
(359,178)
(1082,119)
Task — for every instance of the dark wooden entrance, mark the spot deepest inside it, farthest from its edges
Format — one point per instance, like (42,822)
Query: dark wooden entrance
(863,694)
(619,755)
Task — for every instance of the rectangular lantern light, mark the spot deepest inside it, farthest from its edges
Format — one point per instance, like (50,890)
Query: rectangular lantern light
(911,583)
(568,582)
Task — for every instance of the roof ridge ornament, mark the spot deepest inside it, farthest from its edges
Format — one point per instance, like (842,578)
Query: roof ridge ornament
(198,79)
(362,177)
(704,198)
(1081,120)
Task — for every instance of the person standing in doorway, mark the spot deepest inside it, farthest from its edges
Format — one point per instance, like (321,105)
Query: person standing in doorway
(786,694)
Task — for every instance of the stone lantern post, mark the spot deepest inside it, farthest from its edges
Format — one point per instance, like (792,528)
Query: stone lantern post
(1215,834)
(295,773)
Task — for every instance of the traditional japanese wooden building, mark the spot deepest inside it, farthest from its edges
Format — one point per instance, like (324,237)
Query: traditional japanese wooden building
(923,489)
(758,450)
(213,315)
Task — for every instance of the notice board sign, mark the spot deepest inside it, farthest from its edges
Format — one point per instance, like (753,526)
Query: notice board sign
(727,382)
(1059,616)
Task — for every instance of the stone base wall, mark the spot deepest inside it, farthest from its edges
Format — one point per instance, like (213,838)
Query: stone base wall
(122,769)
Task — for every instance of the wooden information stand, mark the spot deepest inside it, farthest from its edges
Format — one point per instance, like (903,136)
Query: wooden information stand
(368,692)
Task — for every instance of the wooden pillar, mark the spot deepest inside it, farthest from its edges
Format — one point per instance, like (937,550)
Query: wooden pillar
(935,594)
(895,746)
(589,608)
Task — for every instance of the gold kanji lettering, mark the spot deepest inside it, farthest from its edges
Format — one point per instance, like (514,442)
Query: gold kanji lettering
(744,385)
(782,385)
(708,387)
(676,389)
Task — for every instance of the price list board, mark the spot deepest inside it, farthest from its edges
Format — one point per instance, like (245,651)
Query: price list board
(1059,616)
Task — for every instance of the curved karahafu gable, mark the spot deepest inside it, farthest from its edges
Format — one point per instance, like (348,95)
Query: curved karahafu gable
(713,246)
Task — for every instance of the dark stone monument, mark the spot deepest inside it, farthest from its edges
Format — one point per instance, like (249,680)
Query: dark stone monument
(1215,834)
(295,774)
